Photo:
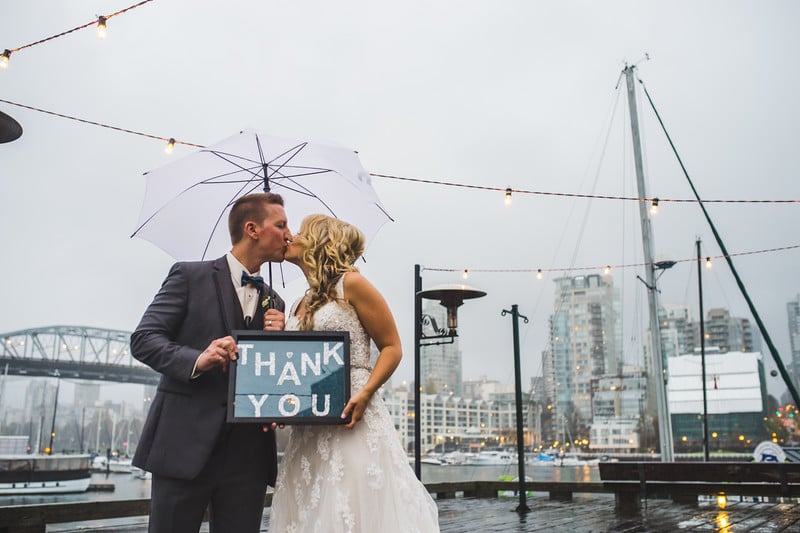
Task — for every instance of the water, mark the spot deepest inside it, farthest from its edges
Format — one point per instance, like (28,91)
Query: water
(128,487)
(550,472)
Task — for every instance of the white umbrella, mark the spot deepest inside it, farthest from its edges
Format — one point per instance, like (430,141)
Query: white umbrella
(186,202)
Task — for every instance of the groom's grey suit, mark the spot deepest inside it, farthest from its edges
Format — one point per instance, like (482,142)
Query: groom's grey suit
(185,441)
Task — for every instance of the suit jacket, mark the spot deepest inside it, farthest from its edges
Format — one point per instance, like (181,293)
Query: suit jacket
(196,304)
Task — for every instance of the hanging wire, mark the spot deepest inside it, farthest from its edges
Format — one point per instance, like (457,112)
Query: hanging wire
(93,22)
(602,267)
(661,201)
(93,123)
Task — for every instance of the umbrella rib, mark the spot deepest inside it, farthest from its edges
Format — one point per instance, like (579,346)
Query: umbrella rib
(221,213)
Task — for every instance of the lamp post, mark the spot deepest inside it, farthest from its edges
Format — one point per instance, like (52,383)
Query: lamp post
(523,506)
(451,297)
(55,408)
(702,353)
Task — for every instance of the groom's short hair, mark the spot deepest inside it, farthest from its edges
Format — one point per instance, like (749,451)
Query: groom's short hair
(253,207)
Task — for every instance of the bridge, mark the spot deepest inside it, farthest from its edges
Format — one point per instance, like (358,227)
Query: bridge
(79,352)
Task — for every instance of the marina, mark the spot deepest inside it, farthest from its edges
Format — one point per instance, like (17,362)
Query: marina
(584,511)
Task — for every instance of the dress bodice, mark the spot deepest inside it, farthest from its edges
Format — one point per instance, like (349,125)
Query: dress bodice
(339,315)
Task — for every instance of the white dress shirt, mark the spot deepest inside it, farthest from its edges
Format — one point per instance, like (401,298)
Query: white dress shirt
(248,295)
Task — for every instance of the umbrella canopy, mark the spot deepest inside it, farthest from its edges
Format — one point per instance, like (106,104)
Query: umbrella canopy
(186,202)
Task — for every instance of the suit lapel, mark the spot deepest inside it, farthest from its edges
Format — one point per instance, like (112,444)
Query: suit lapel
(230,308)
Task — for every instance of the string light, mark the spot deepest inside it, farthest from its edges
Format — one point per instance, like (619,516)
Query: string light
(5,58)
(596,268)
(100,22)
(507,201)
(654,207)
(580,195)
(101,27)
(607,270)
(170,146)
(465,275)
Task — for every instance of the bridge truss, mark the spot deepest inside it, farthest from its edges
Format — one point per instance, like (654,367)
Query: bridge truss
(79,352)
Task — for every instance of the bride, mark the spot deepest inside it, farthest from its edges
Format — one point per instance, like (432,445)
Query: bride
(354,477)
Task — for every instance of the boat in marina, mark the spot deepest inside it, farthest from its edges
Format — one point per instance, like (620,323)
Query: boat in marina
(114,465)
(43,474)
(492,458)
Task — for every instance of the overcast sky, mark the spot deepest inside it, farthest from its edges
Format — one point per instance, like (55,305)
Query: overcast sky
(501,93)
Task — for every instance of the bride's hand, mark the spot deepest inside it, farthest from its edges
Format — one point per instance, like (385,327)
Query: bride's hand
(274,320)
(356,407)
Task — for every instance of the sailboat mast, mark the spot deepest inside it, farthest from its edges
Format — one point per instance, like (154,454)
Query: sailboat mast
(658,367)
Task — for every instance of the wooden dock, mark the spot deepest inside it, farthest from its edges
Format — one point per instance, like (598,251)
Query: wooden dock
(473,507)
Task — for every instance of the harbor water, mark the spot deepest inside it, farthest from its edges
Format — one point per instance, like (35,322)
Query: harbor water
(129,487)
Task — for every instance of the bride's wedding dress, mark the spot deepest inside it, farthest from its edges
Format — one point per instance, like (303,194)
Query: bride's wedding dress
(333,479)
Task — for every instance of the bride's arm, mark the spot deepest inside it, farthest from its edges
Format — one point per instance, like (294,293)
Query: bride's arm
(374,314)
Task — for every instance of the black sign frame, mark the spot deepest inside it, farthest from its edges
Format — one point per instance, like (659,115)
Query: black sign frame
(244,387)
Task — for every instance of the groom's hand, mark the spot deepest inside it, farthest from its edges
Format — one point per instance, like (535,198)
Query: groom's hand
(219,353)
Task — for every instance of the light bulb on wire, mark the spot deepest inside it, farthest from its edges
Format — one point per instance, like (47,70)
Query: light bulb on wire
(539,274)
(708,262)
(607,270)
(170,146)
(654,207)
(101,27)
(5,58)
(507,200)
(465,275)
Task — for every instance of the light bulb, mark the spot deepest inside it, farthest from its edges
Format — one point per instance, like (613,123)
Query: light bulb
(539,274)
(465,275)
(607,270)
(708,262)
(5,58)
(170,146)
(507,201)
(654,207)
(101,27)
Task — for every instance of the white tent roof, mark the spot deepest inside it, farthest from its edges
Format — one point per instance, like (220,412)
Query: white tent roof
(732,383)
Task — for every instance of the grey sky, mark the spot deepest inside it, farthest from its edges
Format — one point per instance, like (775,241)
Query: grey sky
(489,93)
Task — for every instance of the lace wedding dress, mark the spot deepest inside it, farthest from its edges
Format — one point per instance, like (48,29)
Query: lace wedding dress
(337,480)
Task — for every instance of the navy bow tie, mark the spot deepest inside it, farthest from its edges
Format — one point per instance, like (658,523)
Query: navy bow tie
(255,280)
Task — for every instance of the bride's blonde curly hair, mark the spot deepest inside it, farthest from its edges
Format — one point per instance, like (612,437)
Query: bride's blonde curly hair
(329,249)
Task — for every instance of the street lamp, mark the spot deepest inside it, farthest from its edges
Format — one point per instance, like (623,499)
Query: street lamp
(451,297)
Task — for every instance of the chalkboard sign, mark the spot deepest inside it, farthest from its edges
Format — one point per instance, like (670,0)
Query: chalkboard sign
(290,377)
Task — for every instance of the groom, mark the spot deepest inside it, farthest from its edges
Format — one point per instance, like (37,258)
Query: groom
(197,459)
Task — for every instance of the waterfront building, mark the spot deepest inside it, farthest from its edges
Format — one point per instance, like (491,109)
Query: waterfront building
(736,400)
(87,394)
(585,343)
(449,422)
(793,312)
(730,334)
(618,406)
(440,364)
(677,330)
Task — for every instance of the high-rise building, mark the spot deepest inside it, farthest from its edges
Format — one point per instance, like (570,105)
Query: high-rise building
(729,334)
(677,330)
(87,394)
(440,364)
(585,342)
(793,310)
